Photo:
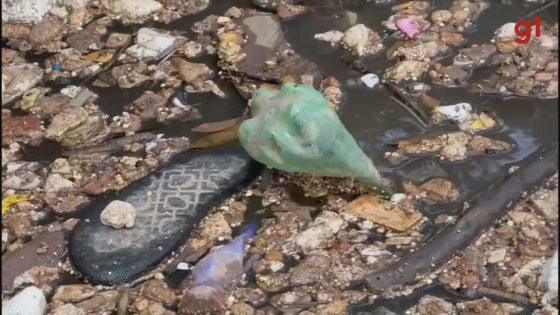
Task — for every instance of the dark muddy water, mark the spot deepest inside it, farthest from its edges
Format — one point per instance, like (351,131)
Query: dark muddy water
(371,115)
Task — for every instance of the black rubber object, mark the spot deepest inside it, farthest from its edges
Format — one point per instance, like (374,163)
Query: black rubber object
(490,205)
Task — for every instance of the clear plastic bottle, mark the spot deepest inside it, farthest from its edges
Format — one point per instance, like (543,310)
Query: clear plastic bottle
(215,275)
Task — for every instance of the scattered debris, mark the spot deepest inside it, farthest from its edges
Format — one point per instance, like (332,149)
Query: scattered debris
(454,146)
(385,214)
(370,80)
(17,79)
(210,286)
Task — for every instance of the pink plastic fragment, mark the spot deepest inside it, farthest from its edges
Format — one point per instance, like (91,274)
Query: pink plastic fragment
(412,27)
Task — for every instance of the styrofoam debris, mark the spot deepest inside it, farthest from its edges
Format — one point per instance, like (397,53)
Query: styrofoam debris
(370,80)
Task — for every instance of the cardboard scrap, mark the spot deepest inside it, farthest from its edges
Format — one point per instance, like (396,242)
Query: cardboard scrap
(382,212)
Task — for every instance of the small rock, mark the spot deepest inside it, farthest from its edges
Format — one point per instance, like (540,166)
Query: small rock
(440,16)
(452,38)
(362,40)
(435,190)
(20,224)
(17,79)
(66,120)
(431,305)
(74,293)
(101,303)
(333,220)
(25,129)
(406,70)
(320,233)
(274,282)
(241,309)
(46,35)
(55,183)
(30,301)
(68,309)
(497,255)
(289,11)
(151,42)
(211,230)
(192,73)
(398,198)
(269,4)
(43,277)
(25,11)
(486,306)
(549,279)
(288,299)
(399,240)
(546,202)
(333,37)
(157,290)
(116,40)
(192,49)
(450,76)
(134,11)
(22,181)
(64,202)
(118,214)
(311,270)
(334,308)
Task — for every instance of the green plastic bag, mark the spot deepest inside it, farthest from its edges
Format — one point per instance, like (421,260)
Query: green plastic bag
(294,129)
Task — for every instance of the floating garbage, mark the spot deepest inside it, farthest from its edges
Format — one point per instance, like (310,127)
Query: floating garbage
(370,80)
(462,114)
(215,275)
(295,129)
(11,200)
(411,26)
(383,213)
(458,113)
(333,37)
(152,43)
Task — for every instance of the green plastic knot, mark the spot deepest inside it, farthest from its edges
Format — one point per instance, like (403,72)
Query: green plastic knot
(294,129)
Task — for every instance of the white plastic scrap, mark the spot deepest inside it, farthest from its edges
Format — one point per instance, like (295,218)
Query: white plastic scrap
(333,37)
(549,277)
(151,42)
(183,266)
(398,198)
(71,91)
(370,80)
(460,113)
